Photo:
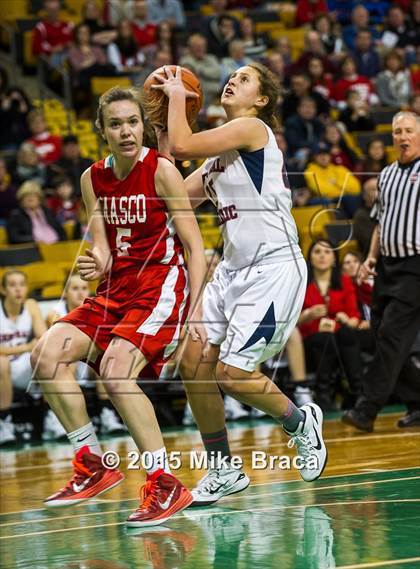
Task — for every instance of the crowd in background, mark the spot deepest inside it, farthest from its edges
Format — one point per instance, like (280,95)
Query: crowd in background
(356,58)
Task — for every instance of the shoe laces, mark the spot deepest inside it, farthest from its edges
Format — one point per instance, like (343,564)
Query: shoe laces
(81,472)
(303,445)
(211,481)
(148,494)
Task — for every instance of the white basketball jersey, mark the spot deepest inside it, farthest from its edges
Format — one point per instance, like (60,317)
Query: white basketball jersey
(251,193)
(15,332)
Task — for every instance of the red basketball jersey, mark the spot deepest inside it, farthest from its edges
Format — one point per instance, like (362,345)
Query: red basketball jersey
(137,220)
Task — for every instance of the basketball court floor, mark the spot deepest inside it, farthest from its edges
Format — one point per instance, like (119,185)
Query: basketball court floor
(363,513)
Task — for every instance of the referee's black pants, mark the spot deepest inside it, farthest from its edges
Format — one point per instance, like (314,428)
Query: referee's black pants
(395,323)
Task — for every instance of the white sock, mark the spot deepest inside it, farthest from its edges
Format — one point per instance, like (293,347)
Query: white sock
(160,461)
(85,436)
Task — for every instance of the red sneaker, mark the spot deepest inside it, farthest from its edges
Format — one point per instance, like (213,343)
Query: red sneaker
(162,496)
(90,478)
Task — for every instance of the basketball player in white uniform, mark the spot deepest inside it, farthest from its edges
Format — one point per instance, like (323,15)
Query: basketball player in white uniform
(74,293)
(21,325)
(253,303)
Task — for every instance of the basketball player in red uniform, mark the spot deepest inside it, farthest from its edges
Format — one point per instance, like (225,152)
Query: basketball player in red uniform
(140,219)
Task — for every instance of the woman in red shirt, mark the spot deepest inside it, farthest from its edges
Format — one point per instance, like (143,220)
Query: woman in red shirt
(328,323)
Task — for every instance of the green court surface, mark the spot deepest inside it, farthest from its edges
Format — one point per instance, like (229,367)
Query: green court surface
(350,521)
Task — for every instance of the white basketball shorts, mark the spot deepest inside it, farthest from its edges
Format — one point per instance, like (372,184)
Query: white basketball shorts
(251,312)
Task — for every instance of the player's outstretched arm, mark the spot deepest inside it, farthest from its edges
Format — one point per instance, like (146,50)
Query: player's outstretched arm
(170,187)
(97,260)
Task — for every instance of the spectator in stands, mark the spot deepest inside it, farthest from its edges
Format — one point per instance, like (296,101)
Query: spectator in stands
(350,267)
(322,82)
(255,45)
(356,115)
(14,109)
(350,79)
(307,10)
(363,225)
(399,31)
(144,31)
(165,41)
(86,59)
(169,11)
(236,59)
(330,36)
(393,85)
(303,129)
(220,33)
(375,159)
(205,65)
(328,321)
(28,166)
(51,37)
(71,164)
(47,146)
(31,221)
(283,47)
(63,203)
(313,46)
(300,86)
(365,56)
(75,292)
(124,54)
(117,10)
(329,182)
(415,104)
(275,63)
(101,34)
(341,153)
(360,21)
(21,325)
(8,200)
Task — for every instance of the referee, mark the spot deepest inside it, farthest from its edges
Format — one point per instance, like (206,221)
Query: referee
(394,260)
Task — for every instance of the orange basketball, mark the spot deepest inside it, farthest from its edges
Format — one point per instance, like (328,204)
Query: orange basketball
(156,102)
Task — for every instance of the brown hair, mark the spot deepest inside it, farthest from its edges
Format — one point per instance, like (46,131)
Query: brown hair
(269,87)
(118,93)
(10,272)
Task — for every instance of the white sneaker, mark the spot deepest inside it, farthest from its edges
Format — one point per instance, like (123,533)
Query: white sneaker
(234,409)
(188,418)
(217,483)
(309,443)
(110,422)
(53,429)
(7,431)
(302,396)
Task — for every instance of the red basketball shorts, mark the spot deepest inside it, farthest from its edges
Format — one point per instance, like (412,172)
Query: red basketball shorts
(147,307)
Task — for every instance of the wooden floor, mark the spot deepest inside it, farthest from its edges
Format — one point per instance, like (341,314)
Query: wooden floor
(363,512)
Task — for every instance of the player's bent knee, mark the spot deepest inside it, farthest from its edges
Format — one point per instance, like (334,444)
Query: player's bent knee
(230,379)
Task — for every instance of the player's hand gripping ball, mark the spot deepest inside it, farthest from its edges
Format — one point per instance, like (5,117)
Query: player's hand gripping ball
(156,102)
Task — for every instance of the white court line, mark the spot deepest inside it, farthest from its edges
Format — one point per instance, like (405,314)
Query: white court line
(380,563)
(223,513)
(227,499)
(104,500)
(235,449)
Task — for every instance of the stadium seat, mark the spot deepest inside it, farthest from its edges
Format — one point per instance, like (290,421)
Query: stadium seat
(311,221)
(52,291)
(347,246)
(42,274)
(3,236)
(19,255)
(68,227)
(210,230)
(61,252)
(101,84)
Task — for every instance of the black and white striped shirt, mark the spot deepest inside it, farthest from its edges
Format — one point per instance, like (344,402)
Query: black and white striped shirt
(397,209)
